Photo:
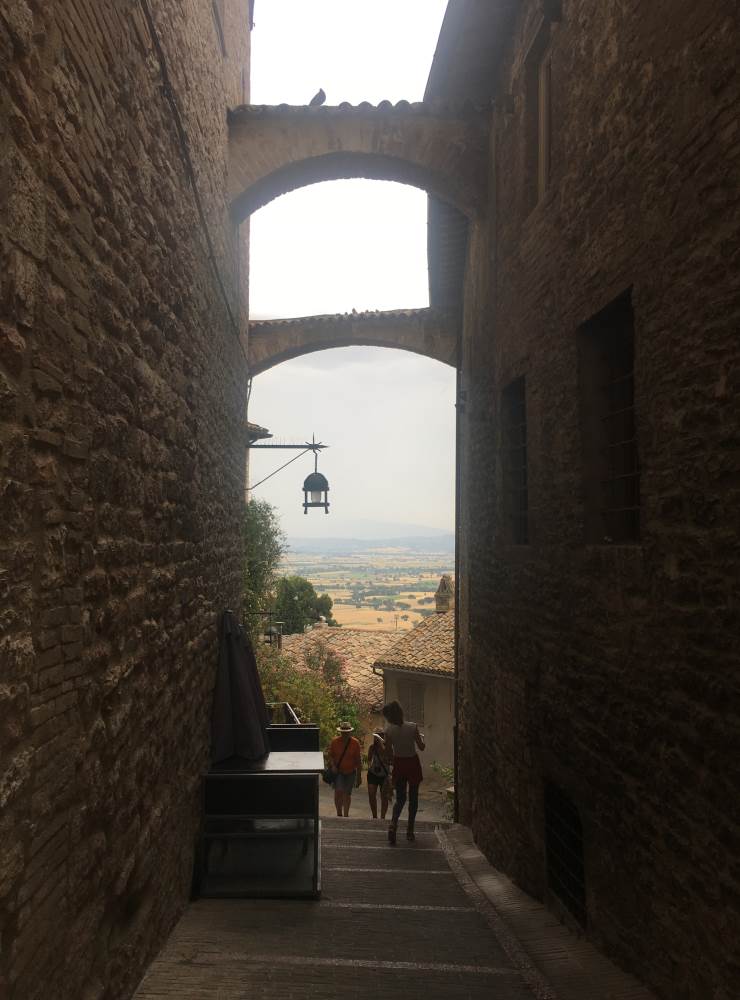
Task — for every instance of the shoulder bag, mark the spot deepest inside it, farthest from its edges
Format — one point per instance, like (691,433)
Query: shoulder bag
(329,775)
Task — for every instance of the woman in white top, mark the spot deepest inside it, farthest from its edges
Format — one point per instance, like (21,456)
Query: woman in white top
(402,739)
(378,775)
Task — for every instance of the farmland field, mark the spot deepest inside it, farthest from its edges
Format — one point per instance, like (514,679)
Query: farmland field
(378,588)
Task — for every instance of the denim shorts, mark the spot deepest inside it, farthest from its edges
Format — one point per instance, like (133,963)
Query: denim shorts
(345,782)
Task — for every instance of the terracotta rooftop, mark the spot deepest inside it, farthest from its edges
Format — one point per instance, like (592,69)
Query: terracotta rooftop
(359,647)
(435,106)
(428,648)
(366,316)
(255,432)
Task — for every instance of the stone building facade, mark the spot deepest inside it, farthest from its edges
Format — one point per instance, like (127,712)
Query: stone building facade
(418,671)
(583,235)
(599,559)
(122,409)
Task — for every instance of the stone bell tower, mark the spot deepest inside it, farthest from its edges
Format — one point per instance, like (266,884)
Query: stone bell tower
(444,597)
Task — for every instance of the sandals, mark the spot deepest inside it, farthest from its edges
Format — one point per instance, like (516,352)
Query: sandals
(410,835)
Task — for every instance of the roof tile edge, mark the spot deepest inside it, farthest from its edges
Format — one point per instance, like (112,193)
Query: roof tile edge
(364,316)
(436,107)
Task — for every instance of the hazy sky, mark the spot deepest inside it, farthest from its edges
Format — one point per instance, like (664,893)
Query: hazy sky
(388,415)
(357,50)
(342,245)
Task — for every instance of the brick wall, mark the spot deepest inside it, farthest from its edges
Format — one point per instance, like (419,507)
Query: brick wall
(611,670)
(122,394)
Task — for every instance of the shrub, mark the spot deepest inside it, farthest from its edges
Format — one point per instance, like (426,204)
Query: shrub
(448,776)
(264,544)
(316,687)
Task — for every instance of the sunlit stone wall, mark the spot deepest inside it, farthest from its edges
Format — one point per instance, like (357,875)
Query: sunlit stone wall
(122,401)
(611,669)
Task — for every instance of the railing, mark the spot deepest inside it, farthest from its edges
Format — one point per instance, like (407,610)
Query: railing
(287,732)
(281,712)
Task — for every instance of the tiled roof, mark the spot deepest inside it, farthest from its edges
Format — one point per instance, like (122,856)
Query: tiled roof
(437,107)
(366,316)
(430,647)
(255,432)
(359,648)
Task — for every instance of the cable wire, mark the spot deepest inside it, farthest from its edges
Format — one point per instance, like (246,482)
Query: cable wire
(184,144)
(293,459)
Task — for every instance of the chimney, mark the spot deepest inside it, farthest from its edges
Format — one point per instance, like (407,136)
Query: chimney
(445,595)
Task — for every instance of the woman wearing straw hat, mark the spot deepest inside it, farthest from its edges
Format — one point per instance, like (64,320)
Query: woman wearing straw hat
(345,760)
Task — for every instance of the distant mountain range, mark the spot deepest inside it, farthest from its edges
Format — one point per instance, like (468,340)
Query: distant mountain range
(444,542)
(358,528)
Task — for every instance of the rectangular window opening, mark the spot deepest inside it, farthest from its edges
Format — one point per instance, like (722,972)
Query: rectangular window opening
(219,13)
(516,486)
(411,697)
(611,468)
(566,877)
(538,116)
(543,122)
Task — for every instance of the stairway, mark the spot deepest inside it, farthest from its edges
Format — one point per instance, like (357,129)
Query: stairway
(394,921)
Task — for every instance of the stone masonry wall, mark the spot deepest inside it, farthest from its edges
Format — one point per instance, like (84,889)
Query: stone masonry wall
(122,395)
(612,669)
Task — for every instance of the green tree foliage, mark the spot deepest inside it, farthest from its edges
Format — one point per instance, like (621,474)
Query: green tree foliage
(316,687)
(448,776)
(324,605)
(297,604)
(264,544)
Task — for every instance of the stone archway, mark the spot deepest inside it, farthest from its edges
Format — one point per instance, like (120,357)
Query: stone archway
(273,150)
(433,333)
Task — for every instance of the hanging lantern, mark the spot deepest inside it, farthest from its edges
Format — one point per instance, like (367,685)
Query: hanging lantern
(315,490)
(315,486)
(273,635)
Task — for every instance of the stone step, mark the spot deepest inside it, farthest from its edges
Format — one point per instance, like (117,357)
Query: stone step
(350,823)
(364,858)
(259,931)
(290,977)
(391,885)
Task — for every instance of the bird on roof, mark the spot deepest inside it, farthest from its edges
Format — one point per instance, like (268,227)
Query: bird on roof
(317,99)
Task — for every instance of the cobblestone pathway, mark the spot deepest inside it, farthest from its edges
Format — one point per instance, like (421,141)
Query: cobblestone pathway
(407,922)
(391,921)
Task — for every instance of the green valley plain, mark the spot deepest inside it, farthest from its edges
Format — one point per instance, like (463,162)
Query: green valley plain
(374,584)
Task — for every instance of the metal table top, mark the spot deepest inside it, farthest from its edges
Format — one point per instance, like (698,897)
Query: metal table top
(278,762)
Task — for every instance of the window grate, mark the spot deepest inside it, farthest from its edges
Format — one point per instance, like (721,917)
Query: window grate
(516,483)
(564,851)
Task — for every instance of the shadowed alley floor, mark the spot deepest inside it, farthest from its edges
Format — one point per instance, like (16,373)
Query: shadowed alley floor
(417,920)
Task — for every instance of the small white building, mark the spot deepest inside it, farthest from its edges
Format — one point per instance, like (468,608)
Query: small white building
(419,672)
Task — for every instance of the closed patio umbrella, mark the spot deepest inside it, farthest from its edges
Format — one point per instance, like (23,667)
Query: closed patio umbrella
(240,717)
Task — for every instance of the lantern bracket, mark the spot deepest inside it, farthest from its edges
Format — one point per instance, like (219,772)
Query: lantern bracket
(312,445)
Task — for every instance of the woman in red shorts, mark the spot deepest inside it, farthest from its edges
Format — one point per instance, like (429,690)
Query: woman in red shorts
(402,739)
